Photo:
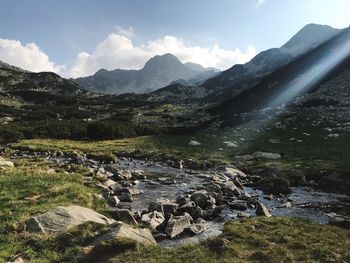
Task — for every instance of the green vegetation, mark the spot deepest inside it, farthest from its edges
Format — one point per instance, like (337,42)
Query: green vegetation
(27,191)
(257,240)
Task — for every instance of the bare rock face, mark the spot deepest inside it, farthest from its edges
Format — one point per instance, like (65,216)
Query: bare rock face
(121,230)
(62,218)
(177,224)
(261,210)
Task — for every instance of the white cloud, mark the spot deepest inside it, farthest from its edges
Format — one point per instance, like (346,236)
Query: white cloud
(29,56)
(259,3)
(118,51)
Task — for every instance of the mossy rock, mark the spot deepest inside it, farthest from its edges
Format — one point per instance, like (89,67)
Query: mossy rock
(275,185)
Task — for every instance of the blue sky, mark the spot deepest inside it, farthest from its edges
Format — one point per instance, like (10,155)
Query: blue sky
(63,29)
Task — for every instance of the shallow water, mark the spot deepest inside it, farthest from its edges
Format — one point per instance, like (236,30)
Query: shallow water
(307,202)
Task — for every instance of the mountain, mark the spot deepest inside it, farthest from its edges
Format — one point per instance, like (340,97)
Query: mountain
(239,77)
(14,80)
(323,70)
(158,72)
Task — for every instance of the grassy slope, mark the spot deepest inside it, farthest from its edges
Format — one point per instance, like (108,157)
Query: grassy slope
(258,240)
(27,191)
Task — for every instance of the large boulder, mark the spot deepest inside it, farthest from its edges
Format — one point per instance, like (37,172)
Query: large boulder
(203,199)
(177,225)
(63,218)
(122,231)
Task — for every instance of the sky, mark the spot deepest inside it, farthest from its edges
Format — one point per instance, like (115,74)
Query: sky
(76,38)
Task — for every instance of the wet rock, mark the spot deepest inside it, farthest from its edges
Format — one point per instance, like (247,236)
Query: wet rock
(125,197)
(243,215)
(101,175)
(261,210)
(230,189)
(274,185)
(113,200)
(213,213)
(233,172)
(196,229)
(181,200)
(203,199)
(63,218)
(121,230)
(339,220)
(192,209)
(212,187)
(153,219)
(269,197)
(286,205)
(138,175)
(238,205)
(166,181)
(267,155)
(177,224)
(102,157)
(124,215)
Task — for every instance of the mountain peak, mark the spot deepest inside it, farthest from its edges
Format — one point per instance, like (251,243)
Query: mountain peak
(310,35)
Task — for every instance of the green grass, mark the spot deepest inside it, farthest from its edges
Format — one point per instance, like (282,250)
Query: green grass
(29,191)
(257,240)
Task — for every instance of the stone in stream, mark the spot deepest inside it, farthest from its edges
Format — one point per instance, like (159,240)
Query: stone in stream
(177,224)
(203,199)
(121,230)
(261,210)
(230,189)
(124,215)
(267,155)
(163,206)
(192,209)
(238,205)
(243,215)
(153,219)
(181,200)
(213,213)
(125,197)
(62,218)
(113,200)
(197,228)
(211,187)
(339,220)
(233,172)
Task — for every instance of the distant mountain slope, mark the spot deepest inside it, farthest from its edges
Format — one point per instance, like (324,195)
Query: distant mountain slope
(14,80)
(306,74)
(158,72)
(244,76)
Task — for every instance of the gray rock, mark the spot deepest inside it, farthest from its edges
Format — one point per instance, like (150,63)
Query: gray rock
(192,209)
(6,164)
(339,220)
(233,172)
(238,205)
(267,155)
(153,219)
(203,199)
(177,224)
(196,229)
(113,200)
(124,215)
(261,210)
(243,215)
(121,230)
(63,218)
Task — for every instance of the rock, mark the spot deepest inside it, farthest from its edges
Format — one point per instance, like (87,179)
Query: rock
(230,189)
(261,210)
(274,185)
(121,230)
(153,219)
(124,215)
(213,213)
(212,187)
(63,218)
(6,164)
(194,143)
(110,184)
(243,215)
(203,200)
(245,157)
(196,229)
(125,197)
(269,197)
(113,200)
(191,208)
(233,172)
(101,175)
(177,224)
(138,175)
(18,260)
(267,155)
(163,206)
(166,181)
(181,200)
(286,205)
(102,157)
(339,220)
(238,205)
(51,171)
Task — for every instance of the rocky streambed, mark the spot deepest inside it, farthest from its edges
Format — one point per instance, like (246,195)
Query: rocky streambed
(185,206)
